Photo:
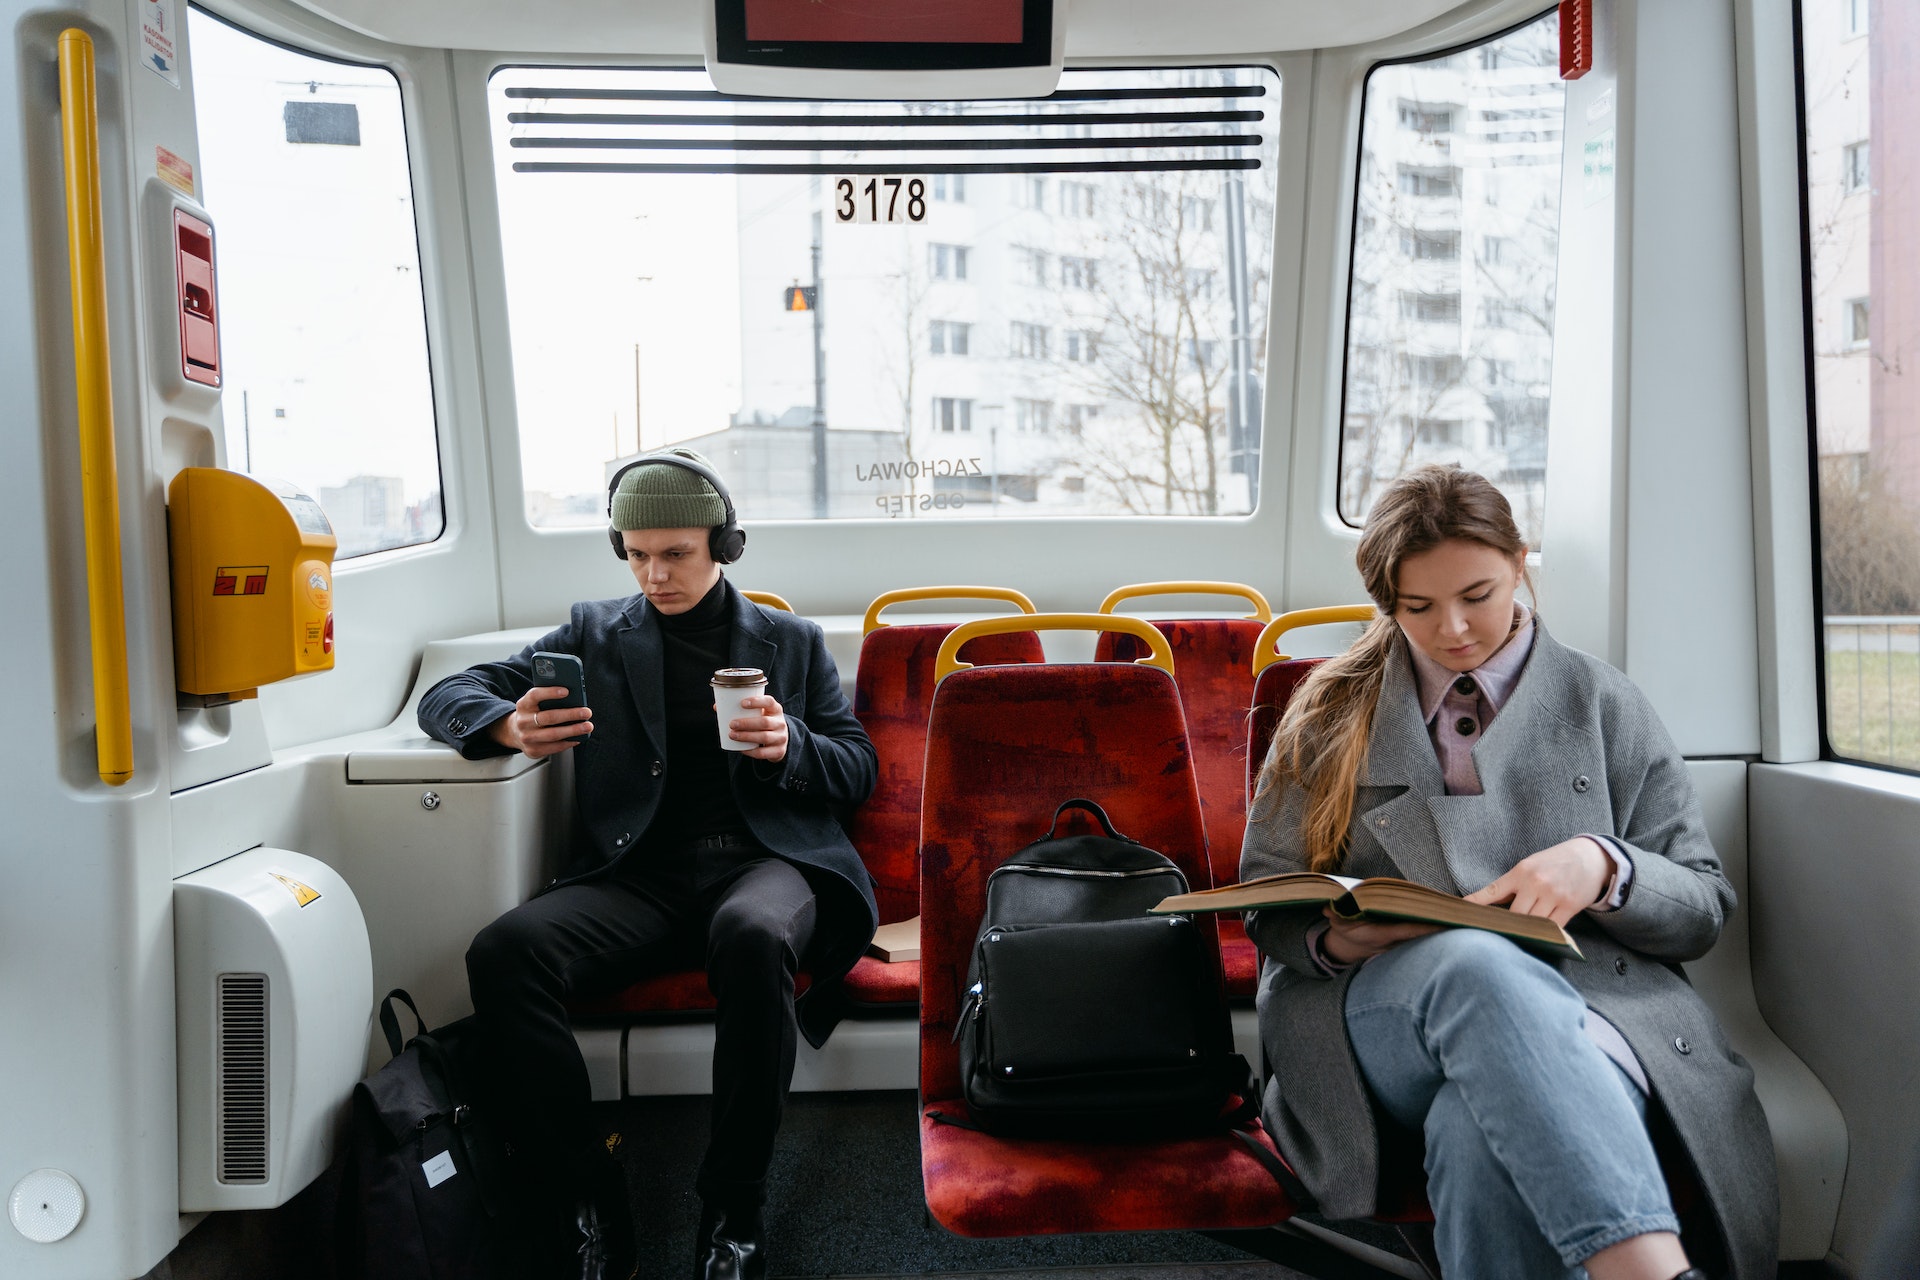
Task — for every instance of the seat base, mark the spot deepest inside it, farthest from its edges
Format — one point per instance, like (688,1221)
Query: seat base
(982,1186)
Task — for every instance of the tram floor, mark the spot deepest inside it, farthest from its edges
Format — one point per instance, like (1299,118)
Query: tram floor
(845,1201)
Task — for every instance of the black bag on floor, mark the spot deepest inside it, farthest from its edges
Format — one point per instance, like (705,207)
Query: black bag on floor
(1085,1015)
(428,1187)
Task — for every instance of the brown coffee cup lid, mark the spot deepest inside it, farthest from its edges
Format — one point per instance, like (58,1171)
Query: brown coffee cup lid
(739,677)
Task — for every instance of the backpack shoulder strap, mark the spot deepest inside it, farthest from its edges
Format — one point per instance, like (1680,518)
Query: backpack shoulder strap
(390,1021)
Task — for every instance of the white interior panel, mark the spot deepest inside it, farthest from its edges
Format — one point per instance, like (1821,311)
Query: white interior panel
(1690,638)
(1095,28)
(1835,889)
(1809,1135)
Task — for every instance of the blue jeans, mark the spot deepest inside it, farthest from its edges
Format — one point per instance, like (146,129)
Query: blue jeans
(1537,1148)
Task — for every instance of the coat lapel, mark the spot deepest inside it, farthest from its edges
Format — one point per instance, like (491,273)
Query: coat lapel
(642,655)
(1483,837)
(753,644)
(1400,758)
(1458,843)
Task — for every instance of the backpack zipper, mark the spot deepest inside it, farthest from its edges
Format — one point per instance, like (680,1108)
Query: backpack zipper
(970,1010)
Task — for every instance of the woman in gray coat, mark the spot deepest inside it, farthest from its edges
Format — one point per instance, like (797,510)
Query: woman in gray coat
(1458,745)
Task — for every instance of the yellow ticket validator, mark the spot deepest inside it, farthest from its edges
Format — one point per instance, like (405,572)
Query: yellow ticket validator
(252,582)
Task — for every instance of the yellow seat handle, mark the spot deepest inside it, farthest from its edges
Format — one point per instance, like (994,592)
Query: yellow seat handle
(1263,649)
(904,594)
(948,661)
(769,599)
(1261,609)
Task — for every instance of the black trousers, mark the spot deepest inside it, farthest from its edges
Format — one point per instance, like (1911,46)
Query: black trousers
(746,916)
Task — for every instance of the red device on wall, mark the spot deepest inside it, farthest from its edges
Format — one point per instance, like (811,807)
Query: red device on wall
(1576,38)
(199,321)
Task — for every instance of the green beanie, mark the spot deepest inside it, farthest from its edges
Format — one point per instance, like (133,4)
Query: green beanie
(663,496)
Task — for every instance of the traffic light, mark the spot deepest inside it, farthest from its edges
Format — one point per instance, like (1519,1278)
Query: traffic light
(800,297)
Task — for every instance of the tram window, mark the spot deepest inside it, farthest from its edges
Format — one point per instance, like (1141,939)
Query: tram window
(304,168)
(1863,327)
(1110,263)
(1456,234)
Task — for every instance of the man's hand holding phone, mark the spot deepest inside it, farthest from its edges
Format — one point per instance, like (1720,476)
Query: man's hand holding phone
(538,729)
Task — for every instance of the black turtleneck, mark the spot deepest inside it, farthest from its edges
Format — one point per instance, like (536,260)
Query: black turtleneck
(699,796)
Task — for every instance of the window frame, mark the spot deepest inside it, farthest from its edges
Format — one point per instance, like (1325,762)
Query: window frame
(437,397)
(1338,433)
(1816,525)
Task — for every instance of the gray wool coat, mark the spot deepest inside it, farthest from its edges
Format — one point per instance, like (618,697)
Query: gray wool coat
(1577,749)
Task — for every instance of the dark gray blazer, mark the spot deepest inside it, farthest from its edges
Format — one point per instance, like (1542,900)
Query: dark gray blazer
(1577,749)
(792,805)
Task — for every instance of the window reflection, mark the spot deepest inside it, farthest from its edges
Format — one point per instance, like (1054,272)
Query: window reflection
(1450,327)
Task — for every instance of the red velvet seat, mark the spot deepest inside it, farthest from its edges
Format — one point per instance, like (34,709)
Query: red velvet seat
(892,693)
(1005,746)
(1212,661)
(1272,690)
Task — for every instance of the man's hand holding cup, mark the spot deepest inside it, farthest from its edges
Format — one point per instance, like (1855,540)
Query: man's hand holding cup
(750,721)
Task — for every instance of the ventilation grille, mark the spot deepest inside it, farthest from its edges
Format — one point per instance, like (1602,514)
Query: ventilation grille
(1107,122)
(240,1085)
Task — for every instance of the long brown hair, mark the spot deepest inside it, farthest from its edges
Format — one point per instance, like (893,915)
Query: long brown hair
(1321,745)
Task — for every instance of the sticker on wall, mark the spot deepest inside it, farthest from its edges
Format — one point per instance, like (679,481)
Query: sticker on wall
(1596,172)
(173,171)
(302,894)
(240,580)
(159,49)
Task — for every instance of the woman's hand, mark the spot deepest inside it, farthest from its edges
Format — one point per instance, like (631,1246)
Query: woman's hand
(542,733)
(1351,941)
(1558,883)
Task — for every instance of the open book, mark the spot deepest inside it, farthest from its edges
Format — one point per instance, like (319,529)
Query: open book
(1381,898)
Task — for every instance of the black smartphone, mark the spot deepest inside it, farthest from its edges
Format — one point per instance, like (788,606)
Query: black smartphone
(561,669)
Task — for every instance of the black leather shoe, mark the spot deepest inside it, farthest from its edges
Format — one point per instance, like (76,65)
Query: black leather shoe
(600,1237)
(1691,1273)
(732,1244)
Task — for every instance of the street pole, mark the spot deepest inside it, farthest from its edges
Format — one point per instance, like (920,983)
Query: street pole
(819,386)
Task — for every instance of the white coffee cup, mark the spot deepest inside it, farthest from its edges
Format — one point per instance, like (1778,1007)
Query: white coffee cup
(730,686)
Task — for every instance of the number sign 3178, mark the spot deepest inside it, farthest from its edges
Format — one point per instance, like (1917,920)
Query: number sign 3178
(880,199)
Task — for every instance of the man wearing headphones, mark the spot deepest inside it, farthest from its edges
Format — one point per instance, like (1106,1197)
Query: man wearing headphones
(686,855)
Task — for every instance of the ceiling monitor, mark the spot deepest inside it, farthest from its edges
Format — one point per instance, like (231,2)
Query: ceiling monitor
(891,49)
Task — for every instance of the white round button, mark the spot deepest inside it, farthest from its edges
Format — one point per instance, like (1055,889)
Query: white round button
(46,1205)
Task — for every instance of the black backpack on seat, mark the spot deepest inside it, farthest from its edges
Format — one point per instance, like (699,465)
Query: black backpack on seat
(1083,1014)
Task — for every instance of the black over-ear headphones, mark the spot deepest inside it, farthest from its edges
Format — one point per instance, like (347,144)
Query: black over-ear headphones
(725,541)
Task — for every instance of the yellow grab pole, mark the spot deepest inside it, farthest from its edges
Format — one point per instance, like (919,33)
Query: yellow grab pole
(100,492)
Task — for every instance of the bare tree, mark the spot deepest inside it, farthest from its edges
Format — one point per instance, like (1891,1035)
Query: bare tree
(1161,349)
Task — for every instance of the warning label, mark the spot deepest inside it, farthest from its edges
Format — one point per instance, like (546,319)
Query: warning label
(302,894)
(173,170)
